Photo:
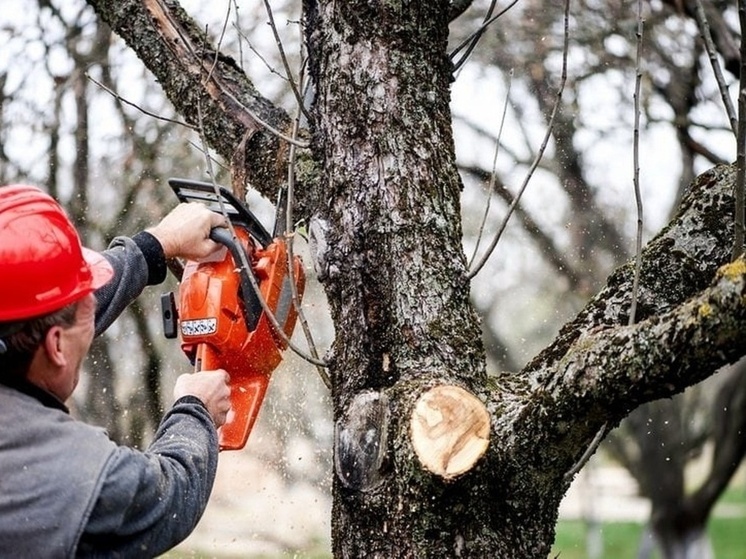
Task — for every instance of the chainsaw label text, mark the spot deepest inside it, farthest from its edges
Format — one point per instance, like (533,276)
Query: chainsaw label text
(199,327)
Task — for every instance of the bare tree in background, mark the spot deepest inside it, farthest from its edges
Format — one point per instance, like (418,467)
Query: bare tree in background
(76,167)
(661,439)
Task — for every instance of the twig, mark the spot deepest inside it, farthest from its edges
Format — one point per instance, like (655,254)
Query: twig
(201,149)
(548,249)
(220,40)
(218,81)
(245,263)
(479,129)
(540,154)
(491,186)
(587,454)
(259,55)
(131,104)
(240,35)
(288,227)
(704,29)
(738,237)
(636,175)
(471,41)
(284,58)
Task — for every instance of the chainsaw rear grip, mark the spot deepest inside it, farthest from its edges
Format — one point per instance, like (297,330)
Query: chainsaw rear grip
(247,395)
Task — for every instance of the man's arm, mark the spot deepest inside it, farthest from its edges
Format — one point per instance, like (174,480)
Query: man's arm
(137,262)
(141,260)
(151,501)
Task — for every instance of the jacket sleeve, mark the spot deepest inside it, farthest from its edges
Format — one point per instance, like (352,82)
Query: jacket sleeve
(150,501)
(137,262)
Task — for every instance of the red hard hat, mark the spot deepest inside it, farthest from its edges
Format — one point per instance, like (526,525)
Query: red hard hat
(43,266)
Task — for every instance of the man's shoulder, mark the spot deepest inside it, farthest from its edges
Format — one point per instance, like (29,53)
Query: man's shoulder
(53,468)
(26,421)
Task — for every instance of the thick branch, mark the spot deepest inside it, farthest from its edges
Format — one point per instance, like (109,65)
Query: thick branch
(619,369)
(607,373)
(598,368)
(197,80)
(677,264)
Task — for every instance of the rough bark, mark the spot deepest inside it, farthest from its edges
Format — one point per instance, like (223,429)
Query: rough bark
(393,269)
(388,252)
(206,87)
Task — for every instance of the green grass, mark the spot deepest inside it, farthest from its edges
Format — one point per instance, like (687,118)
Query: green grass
(618,539)
(622,539)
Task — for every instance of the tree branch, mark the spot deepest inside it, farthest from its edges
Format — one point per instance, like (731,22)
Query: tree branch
(598,368)
(685,326)
(621,368)
(184,62)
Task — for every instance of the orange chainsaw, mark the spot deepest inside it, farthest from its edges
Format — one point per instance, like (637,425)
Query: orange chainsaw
(220,316)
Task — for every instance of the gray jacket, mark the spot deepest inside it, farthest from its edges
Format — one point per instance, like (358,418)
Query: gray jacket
(67,490)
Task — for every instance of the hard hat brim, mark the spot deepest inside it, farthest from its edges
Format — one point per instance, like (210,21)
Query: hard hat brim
(101,270)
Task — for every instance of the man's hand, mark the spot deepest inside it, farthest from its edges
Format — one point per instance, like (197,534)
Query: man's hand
(209,386)
(185,231)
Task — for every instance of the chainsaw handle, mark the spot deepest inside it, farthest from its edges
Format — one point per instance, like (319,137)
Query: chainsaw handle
(221,235)
(250,297)
(220,200)
(247,395)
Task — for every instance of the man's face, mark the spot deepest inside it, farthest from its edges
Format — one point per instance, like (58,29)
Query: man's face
(76,341)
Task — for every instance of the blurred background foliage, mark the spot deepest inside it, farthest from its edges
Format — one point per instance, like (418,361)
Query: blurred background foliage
(81,117)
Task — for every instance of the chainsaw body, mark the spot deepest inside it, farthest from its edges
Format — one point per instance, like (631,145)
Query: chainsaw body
(223,325)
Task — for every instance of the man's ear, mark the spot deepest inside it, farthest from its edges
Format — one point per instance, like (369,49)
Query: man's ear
(52,344)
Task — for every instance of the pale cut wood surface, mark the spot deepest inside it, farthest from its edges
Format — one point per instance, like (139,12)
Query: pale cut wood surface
(450,430)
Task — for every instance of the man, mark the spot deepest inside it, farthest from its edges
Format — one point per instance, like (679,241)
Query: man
(66,489)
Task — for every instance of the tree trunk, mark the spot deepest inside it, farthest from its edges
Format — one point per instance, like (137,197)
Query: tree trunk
(689,541)
(394,272)
(407,363)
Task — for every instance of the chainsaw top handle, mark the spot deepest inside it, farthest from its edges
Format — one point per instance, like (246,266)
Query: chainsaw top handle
(249,295)
(219,199)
